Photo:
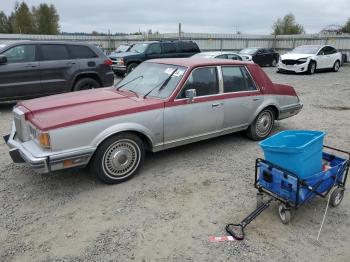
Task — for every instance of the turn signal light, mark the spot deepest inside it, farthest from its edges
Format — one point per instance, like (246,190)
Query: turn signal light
(44,140)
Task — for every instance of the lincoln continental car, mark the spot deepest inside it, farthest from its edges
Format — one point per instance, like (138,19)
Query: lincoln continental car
(163,103)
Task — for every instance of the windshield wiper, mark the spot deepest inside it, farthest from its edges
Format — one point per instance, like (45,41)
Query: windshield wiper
(132,80)
(162,84)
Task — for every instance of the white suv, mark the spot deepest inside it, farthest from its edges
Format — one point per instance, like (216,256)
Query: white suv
(309,58)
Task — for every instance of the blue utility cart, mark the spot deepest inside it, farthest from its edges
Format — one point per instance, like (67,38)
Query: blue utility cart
(293,190)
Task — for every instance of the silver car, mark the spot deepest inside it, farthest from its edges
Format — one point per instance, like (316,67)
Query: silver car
(163,103)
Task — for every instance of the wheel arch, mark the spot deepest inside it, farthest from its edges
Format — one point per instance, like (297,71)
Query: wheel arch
(140,131)
(263,107)
(82,75)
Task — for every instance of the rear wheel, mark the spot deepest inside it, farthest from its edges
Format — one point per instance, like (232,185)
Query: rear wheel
(262,125)
(311,67)
(336,66)
(118,158)
(85,84)
(336,196)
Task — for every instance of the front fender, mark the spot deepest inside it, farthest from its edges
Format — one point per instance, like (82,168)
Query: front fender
(123,127)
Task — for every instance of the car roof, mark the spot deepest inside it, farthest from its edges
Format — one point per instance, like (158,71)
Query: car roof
(195,62)
(315,46)
(44,42)
(216,53)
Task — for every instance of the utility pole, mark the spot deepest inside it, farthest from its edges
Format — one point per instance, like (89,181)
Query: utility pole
(179,31)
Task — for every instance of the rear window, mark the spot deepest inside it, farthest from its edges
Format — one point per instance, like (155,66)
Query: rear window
(79,51)
(54,52)
(188,47)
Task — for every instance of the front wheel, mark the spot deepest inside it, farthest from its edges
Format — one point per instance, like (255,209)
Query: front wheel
(131,67)
(262,125)
(274,63)
(284,213)
(336,197)
(311,67)
(118,158)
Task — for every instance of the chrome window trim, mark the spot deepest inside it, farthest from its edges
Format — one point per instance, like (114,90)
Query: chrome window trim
(248,91)
(217,72)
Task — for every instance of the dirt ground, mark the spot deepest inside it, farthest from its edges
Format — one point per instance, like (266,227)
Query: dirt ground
(180,198)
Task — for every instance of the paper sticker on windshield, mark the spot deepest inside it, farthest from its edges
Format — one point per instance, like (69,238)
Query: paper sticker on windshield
(179,73)
(169,70)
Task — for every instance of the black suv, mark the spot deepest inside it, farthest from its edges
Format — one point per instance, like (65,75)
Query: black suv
(37,68)
(126,62)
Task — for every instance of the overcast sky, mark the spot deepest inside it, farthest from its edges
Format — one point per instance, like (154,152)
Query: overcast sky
(203,16)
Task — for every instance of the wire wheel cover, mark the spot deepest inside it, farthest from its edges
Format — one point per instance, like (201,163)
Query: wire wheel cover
(264,124)
(121,158)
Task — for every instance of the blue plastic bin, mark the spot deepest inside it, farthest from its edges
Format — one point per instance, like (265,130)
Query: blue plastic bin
(298,151)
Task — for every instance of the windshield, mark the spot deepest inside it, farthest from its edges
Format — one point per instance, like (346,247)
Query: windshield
(151,76)
(139,48)
(122,48)
(248,51)
(305,50)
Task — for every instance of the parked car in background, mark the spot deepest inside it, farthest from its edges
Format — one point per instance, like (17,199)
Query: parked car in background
(260,56)
(163,103)
(38,68)
(123,48)
(128,61)
(218,54)
(309,58)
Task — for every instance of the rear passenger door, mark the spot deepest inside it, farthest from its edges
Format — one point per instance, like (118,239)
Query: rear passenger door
(57,68)
(20,76)
(242,98)
(154,51)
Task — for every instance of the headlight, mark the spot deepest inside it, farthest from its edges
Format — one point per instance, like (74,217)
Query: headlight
(44,139)
(120,61)
(301,60)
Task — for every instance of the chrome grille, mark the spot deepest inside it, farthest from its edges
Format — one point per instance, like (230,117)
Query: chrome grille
(289,62)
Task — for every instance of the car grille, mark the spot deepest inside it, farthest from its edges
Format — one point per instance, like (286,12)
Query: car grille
(19,128)
(113,58)
(289,62)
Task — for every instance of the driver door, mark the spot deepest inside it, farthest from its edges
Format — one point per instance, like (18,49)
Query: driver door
(186,121)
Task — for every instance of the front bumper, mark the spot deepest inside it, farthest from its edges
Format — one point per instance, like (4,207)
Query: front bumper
(292,68)
(119,68)
(47,161)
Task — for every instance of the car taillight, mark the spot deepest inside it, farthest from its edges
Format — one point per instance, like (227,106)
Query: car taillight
(108,62)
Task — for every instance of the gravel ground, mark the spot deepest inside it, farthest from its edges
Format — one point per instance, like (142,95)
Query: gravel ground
(180,198)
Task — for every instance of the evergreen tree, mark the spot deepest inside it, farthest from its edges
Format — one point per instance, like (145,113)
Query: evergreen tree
(45,19)
(346,27)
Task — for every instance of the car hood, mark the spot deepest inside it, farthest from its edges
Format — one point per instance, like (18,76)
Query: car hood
(84,106)
(124,54)
(295,56)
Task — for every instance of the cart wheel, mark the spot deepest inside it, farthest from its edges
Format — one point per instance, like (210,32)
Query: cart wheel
(259,199)
(336,196)
(284,213)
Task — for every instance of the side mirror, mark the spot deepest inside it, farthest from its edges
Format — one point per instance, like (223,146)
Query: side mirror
(190,94)
(3,59)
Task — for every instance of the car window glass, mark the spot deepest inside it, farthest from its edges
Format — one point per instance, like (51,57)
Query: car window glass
(322,51)
(236,79)
(169,48)
(154,49)
(203,80)
(54,52)
(328,50)
(78,51)
(234,57)
(222,56)
(20,54)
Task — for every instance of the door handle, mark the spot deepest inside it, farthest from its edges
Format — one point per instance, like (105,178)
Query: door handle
(256,99)
(71,63)
(215,105)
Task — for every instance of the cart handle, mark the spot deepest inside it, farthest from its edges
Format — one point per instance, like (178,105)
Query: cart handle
(339,150)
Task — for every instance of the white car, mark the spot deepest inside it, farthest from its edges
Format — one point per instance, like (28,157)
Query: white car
(219,54)
(309,58)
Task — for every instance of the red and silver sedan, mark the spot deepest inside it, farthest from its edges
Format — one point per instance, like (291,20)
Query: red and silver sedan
(163,103)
